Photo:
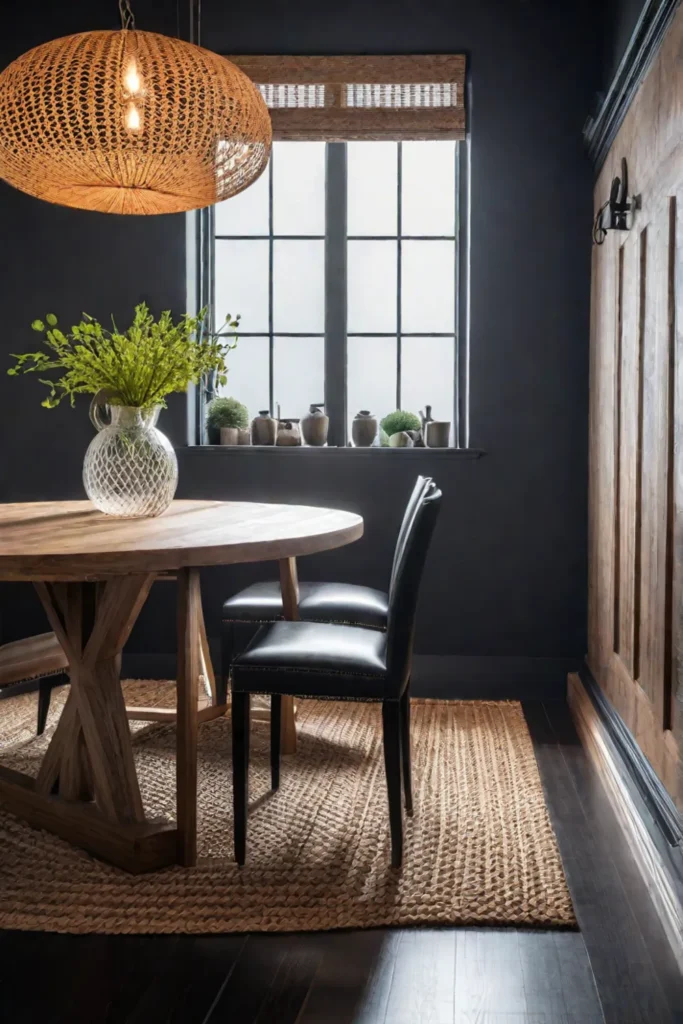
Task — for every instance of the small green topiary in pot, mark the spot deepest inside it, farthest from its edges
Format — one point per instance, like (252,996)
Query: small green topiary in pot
(400,420)
(225,412)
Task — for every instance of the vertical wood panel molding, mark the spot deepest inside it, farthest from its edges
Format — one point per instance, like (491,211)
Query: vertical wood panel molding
(636,429)
(638,563)
(618,364)
(669,686)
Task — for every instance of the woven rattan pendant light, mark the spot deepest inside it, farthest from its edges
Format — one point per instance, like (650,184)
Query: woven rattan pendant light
(130,122)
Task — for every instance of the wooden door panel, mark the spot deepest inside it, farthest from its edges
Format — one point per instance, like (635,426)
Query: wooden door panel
(636,428)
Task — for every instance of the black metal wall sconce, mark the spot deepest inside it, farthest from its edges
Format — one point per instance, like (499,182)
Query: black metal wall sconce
(614,214)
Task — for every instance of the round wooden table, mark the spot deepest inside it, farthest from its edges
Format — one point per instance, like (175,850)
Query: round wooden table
(93,574)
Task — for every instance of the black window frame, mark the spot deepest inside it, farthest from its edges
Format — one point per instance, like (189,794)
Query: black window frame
(335,334)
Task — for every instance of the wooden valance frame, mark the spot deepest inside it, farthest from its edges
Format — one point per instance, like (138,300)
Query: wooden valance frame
(355,98)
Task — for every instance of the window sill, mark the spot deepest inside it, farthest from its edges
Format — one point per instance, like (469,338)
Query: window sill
(305,451)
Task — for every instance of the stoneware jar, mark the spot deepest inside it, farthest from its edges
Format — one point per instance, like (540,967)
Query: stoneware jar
(438,433)
(288,433)
(364,429)
(263,428)
(230,435)
(314,426)
(130,469)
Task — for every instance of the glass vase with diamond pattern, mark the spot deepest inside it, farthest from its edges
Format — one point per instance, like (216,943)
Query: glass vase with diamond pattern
(130,469)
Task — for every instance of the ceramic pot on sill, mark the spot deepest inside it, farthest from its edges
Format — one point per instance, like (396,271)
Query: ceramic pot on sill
(315,425)
(438,433)
(288,433)
(401,439)
(364,429)
(230,435)
(264,428)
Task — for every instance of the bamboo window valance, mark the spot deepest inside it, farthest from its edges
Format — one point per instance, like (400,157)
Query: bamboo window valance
(346,98)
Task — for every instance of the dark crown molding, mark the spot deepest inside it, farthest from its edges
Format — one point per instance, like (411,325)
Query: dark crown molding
(601,130)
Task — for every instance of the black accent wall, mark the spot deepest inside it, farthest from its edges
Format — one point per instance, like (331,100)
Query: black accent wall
(507,573)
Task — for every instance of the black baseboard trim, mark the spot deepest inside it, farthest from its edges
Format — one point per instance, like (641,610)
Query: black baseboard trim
(651,823)
(454,677)
(636,766)
(600,131)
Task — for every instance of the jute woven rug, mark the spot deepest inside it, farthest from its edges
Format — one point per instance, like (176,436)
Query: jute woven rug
(479,850)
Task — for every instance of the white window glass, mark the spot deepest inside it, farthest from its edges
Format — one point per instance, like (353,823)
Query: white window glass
(299,188)
(427,375)
(428,179)
(372,188)
(247,212)
(428,287)
(299,286)
(298,374)
(242,283)
(371,376)
(371,269)
(248,374)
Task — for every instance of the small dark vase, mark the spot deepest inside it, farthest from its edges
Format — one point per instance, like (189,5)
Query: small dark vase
(315,426)
(364,429)
(263,428)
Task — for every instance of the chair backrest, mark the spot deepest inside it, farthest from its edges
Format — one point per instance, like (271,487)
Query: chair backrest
(406,584)
(421,484)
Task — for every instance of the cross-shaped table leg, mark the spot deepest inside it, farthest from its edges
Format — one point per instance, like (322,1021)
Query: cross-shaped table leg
(86,790)
(91,751)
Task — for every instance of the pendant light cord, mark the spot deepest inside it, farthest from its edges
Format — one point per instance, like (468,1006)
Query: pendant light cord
(127,16)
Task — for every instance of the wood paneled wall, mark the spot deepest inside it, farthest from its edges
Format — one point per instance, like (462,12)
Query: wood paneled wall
(636,427)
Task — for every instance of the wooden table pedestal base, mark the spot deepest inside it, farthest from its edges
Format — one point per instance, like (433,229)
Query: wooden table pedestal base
(87,790)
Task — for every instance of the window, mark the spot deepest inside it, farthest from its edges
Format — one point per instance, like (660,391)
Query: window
(346,259)
(369,230)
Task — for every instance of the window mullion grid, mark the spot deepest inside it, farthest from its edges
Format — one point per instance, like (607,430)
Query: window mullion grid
(206,292)
(457,440)
(399,256)
(271,247)
(336,291)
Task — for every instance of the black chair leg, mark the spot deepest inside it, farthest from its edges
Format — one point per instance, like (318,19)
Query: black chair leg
(391,721)
(405,752)
(44,695)
(240,771)
(275,726)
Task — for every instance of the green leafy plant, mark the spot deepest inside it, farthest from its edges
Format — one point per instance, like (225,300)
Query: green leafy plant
(138,367)
(400,420)
(226,412)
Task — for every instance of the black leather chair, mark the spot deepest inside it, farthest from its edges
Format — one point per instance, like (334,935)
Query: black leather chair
(346,603)
(340,662)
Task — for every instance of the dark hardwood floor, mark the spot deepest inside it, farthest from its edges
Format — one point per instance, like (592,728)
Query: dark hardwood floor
(619,965)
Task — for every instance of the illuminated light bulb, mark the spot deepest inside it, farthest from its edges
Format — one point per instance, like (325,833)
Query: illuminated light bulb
(133,119)
(131,79)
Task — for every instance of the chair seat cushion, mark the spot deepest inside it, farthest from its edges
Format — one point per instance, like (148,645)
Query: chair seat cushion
(314,659)
(318,602)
